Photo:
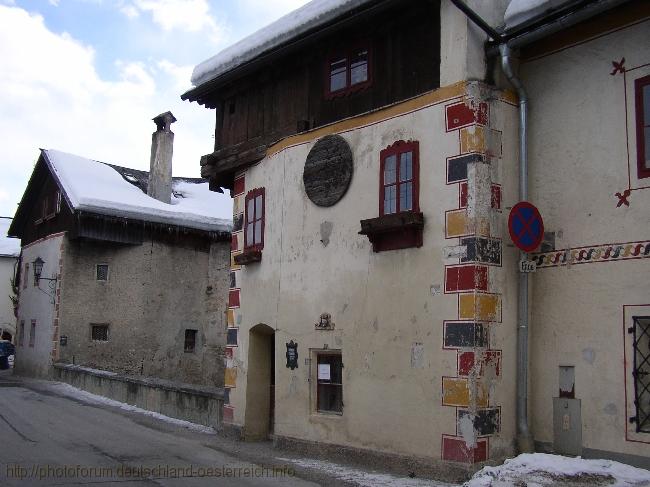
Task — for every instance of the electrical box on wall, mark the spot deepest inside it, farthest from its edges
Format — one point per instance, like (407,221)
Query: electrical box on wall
(567,426)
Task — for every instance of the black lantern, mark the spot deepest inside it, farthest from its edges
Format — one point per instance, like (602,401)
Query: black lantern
(38,268)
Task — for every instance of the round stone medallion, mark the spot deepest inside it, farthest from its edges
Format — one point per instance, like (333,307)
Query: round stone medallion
(328,170)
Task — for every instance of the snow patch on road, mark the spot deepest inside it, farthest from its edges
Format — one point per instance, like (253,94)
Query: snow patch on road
(545,469)
(363,478)
(70,391)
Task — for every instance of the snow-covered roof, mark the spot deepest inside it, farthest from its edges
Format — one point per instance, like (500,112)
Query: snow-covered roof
(96,187)
(520,11)
(311,15)
(8,246)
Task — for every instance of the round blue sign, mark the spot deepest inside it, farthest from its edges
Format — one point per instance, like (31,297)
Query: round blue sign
(526,226)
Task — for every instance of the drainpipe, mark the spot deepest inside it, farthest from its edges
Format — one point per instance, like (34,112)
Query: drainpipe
(524,438)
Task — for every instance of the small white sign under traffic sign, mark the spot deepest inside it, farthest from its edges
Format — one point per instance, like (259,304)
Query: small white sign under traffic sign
(527,266)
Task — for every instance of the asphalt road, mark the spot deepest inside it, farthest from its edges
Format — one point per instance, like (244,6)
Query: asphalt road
(47,438)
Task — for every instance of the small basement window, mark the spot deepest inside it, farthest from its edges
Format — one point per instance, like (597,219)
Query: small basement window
(99,333)
(329,380)
(190,341)
(102,272)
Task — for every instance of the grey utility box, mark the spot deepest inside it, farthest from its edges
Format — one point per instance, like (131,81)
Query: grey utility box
(567,426)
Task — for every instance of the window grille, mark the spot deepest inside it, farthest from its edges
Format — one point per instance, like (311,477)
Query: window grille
(99,333)
(641,372)
(190,340)
(102,272)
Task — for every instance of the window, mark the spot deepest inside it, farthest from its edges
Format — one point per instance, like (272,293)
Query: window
(99,333)
(399,178)
(348,71)
(642,98)
(641,372)
(32,334)
(26,276)
(51,205)
(254,228)
(190,341)
(102,272)
(21,336)
(329,382)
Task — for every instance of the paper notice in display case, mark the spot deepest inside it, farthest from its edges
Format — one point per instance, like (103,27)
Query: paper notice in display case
(324,372)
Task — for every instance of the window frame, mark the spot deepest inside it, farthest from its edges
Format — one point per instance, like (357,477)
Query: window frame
(252,195)
(317,354)
(103,325)
(641,124)
(396,149)
(347,52)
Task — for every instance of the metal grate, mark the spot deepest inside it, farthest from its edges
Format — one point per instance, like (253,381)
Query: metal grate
(99,333)
(190,341)
(102,272)
(641,372)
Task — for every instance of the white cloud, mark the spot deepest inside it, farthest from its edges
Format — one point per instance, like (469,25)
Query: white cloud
(184,15)
(53,97)
(55,3)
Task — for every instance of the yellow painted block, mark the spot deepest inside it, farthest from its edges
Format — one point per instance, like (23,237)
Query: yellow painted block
(458,223)
(479,307)
(238,205)
(231,317)
(233,266)
(230,377)
(461,392)
(482,227)
(472,139)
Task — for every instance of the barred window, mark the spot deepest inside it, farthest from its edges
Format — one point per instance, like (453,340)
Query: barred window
(641,372)
(190,340)
(99,332)
(102,272)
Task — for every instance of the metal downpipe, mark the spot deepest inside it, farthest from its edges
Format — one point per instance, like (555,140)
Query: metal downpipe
(524,438)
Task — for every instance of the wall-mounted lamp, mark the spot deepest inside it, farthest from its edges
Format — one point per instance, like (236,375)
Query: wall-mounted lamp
(38,270)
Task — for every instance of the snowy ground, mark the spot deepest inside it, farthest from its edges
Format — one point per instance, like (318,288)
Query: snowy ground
(540,469)
(70,391)
(526,470)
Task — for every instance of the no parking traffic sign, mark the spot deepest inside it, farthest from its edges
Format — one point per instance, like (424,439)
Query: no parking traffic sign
(526,226)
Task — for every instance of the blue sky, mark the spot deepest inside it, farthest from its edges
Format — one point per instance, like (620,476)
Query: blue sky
(87,77)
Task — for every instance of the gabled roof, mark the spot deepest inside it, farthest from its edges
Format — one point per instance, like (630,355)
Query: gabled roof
(95,187)
(9,247)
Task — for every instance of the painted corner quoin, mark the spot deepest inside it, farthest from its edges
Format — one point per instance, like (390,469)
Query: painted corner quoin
(470,279)
(233,318)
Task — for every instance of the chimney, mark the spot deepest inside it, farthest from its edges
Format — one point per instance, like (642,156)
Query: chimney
(162,149)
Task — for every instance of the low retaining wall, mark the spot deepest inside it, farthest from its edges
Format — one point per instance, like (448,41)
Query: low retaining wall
(198,404)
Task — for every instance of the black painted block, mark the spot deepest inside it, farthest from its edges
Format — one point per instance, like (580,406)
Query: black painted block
(231,338)
(486,421)
(465,334)
(457,166)
(233,280)
(238,222)
(486,250)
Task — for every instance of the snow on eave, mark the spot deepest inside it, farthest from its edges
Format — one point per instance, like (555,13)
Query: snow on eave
(310,16)
(521,11)
(95,187)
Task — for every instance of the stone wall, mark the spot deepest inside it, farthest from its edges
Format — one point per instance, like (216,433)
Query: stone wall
(201,405)
(154,293)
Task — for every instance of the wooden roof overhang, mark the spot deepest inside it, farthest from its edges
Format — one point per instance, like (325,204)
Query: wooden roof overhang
(221,165)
